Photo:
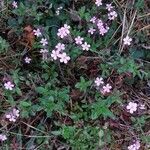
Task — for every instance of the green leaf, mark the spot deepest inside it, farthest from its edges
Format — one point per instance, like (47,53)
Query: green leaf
(41,90)
(67,132)
(3,45)
(83,84)
(82,12)
(25,104)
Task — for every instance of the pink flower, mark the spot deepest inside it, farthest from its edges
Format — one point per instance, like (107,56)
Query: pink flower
(85,46)
(135,146)
(107,88)
(67,28)
(91,30)
(127,40)
(93,19)
(3,137)
(63,31)
(103,30)
(60,46)
(55,54)
(132,107)
(99,23)
(112,15)
(13,115)
(98,2)
(44,41)
(64,58)
(15,112)
(27,60)
(14,4)
(9,86)
(109,7)
(11,118)
(78,40)
(37,32)
(99,81)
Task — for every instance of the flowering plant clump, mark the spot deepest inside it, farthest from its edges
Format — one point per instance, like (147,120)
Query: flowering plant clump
(74,74)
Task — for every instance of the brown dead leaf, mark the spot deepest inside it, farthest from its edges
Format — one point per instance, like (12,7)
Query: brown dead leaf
(29,35)
(75,94)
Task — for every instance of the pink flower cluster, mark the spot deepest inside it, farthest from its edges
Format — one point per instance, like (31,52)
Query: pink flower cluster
(104,89)
(58,53)
(112,14)
(43,42)
(12,115)
(63,31)
(79,41)
(100,25)
(132,107)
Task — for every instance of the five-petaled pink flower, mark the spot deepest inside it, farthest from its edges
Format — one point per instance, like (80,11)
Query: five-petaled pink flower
(93,19)
(15,4)
(99,81)
(132,107)
(91,30)
(107,88)
(3,137)
(60,46)
(109,7)
(103,30)
(8,85)
(98,2)
(27,60)
(55,54)
(44,42)
(64,58)
(112,15)
(63,31)
(99,23)
(79,40)
(85,46)
(127,40)
(37,32)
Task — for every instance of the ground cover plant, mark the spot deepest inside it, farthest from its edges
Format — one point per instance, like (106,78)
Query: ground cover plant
(75,75)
